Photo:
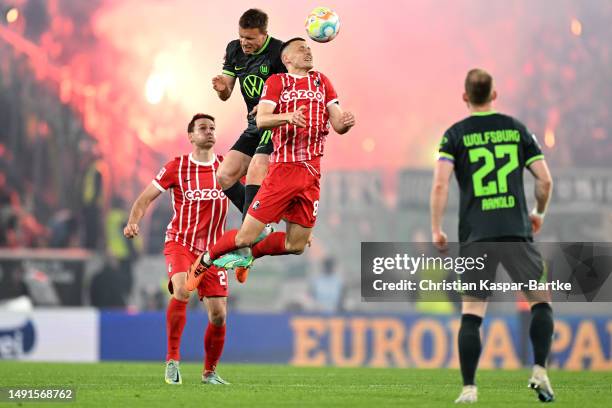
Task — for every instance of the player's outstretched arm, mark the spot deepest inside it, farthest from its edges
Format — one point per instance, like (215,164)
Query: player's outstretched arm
(543,189)
(223,85)
(341,121)
(438,199)
(267,119)
(139,208)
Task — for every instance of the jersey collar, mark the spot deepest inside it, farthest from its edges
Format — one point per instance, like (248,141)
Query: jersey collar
(263,47)
(483,113)
(208,163)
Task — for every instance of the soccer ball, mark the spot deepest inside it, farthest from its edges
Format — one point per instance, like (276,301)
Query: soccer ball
(322,24)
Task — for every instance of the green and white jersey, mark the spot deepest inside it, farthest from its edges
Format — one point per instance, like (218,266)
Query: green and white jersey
(253,70)
(490,151)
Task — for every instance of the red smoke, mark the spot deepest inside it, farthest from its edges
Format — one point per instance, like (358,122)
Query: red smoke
(136,71)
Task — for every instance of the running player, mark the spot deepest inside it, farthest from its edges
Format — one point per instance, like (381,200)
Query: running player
(200,209)
(488,152)
(298,106)
(252,59)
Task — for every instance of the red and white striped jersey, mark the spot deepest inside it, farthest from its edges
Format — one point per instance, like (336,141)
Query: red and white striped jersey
(287,92)
(200,206)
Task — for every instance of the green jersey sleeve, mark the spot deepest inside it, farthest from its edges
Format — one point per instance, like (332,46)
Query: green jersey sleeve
(446,150)
(532,151)
(230,59)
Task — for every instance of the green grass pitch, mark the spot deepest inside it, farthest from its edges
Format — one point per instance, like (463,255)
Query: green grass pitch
(142,385)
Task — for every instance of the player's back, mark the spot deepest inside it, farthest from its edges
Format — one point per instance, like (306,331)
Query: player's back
(490,151)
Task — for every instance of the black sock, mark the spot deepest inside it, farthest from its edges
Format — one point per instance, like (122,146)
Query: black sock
(249,194)
(236,195)
(469,347)
(541,332)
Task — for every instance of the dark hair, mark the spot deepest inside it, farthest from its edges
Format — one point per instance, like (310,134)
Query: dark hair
(286,43)
(254,18)
(478,86)
(196,117)
(329,265)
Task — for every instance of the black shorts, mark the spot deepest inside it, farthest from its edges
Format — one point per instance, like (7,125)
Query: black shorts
(254,140)
(519,257)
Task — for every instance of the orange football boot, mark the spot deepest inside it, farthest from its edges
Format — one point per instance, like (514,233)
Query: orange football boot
(242,273)
(195,274)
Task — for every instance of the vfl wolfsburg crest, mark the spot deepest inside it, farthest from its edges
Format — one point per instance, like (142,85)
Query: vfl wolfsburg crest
(264,69)
(253,85)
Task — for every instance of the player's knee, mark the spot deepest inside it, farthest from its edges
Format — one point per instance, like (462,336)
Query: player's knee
(225,179)
(296,248)
(474,306)
(256,177)
(181,293)
(217,316)
(244,240)
(537,296)
(257,172)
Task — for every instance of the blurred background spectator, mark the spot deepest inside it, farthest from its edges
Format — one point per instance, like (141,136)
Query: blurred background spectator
(328,289)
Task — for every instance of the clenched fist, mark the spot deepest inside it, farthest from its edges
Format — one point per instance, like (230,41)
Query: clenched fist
(348,119)
(131,230)
(219,84)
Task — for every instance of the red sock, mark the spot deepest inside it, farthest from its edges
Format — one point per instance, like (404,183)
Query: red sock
(225,244)
(176,316)
(273,244)
(214,339)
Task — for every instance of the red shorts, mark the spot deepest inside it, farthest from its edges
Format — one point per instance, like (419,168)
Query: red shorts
(180,258)
(290,191)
